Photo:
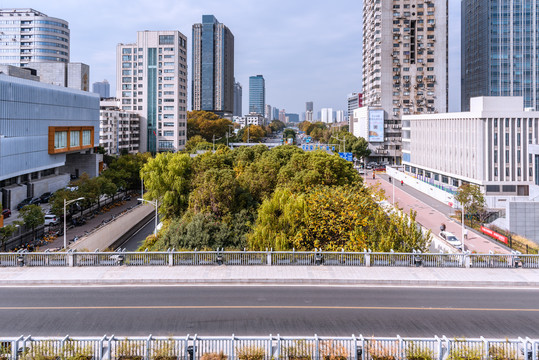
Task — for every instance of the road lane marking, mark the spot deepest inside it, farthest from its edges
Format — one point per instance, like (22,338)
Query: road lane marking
(260,307)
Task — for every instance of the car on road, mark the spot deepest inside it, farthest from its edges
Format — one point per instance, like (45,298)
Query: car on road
(51,219)
(35,201)
(24,203)
(45,197)
(6,213)
(451,239)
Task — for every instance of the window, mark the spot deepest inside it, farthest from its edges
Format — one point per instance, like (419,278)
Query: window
(86,137)
(74,138)
(166,39)
(60,139)
(168,133)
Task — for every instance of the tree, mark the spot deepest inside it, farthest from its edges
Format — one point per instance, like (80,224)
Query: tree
(207,125)
(196,143)
(253,133)
(289,133)
(471,199)
(277,125)
(7,232)
(167,178)
(124,171)
(33,216)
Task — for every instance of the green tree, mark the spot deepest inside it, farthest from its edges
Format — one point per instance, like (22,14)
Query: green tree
(471,199)
(309,169)
(167,178)
(124,171)
(32,216)
(6,232)
(196,143)
(277,125)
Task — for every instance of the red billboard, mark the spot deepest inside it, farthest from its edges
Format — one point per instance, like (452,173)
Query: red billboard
(494,234)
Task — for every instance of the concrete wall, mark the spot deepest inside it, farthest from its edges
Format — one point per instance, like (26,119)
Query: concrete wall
(523,219)
(84,163)
(50,184)
(425,188)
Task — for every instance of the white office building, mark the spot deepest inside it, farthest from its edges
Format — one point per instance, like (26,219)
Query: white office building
(151,80)
(326,115)
(119,130)
(487,146)
(27,36)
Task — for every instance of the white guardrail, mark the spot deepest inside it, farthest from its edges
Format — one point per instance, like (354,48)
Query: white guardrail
(268,258)
(265,348)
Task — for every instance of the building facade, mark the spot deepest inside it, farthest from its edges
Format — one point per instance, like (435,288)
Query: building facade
(151,81)
(309,111)
(405,62)
(47,134)
(487,146)
(213,67)
(292,118)
(238,99)
(71,75)
(500,50)
(282,116)
(119,130)
(355,101)
(268,112)
(27,36)
(275,113)
(257,94)
(102,88)
(326,115)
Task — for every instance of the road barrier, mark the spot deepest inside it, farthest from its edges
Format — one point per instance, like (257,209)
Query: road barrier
(268,258)
(266,348)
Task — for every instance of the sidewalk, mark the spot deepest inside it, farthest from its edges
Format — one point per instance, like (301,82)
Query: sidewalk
(431,218)
(270,275)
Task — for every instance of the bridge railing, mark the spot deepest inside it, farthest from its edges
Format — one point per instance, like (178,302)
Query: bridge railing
(265,348)
(268,258)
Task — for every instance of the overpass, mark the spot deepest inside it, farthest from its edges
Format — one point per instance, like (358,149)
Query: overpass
(268,144)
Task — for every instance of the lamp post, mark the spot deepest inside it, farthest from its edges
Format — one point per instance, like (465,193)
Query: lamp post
(65,218)
(155,203)
(463,228)
(336,138)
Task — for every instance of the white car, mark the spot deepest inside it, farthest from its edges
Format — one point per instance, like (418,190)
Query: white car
(51,219)
(451,239)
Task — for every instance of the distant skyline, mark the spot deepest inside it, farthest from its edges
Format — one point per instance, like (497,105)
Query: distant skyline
(306,50)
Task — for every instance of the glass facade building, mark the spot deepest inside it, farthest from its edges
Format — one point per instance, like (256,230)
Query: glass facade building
(257,94)
(499,50)
(213,67)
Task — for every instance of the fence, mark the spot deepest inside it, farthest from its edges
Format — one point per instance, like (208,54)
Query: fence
(269,258)
(266,348)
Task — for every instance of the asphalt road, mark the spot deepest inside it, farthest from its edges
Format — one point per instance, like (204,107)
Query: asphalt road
(135,241)
(302,311)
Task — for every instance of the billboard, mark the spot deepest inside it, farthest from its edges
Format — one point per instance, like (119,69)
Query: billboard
(376,126)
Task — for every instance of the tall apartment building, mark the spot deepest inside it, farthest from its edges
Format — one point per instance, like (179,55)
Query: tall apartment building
(355,101)
(213,67)
(257,94)
(238,99)
(405,61)
(339,116)
(500,50)
(119,130)
(309,111)
(102,88)
(268,112)
(326,115)
(151,80)
(282,115)
(275,113)
(27,35)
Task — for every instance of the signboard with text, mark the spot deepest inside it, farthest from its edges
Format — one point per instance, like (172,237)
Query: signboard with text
(376,126)
(494,234)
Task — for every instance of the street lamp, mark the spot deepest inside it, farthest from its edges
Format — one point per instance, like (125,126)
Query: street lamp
(336,138)
(65,217)
(155,203)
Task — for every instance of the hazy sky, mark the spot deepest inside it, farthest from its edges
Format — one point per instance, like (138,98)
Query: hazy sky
(307,50)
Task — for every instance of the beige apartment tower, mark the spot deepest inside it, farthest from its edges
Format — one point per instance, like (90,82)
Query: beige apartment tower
(151,80)
(405,65)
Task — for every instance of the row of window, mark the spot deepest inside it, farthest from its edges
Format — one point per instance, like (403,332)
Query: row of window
(61,139)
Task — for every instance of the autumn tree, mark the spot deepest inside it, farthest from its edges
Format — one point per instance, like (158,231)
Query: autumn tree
(277,125)
(207,125)
(252,133)
(196,143)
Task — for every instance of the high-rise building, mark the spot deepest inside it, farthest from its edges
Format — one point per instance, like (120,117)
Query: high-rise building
(71,75)
(275,113)
(355,101)
(292,118)
(238,99)
(268,113)
(309,111)
(500,50)
(282,115)
(27,35)
(151,80)
(339,116)
(405,64)
(102,88)
(119,130)
(213,67)
(326,115)
(257,94)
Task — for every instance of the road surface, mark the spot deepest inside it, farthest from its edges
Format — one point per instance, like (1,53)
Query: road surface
(258,310)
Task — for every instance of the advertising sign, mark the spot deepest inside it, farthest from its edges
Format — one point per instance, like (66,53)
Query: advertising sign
(494,234)
(376,126)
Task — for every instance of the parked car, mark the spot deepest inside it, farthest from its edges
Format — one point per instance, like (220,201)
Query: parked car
(6,213)
(24,203)
(126,198)
(45,197)
(51,219)
(35,201)
(451,239)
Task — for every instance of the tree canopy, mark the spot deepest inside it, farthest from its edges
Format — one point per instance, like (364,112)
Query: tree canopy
(206,125)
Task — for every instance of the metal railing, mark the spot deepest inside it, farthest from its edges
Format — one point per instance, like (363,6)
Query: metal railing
(265,348)
(268,258)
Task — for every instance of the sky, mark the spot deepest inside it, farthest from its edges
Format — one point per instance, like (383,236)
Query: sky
(307,50)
